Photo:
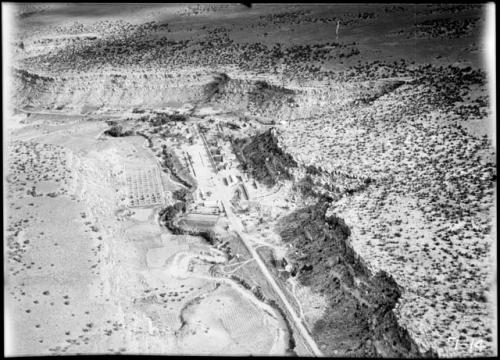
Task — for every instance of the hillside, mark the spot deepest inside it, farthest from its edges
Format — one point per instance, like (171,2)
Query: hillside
(263,158)
(359,321)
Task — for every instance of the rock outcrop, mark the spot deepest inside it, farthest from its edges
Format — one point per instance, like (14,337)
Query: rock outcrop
(264,159)
(360,320)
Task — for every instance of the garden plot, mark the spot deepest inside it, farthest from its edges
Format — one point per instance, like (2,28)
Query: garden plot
(144,187)
(163,303)
(223,323)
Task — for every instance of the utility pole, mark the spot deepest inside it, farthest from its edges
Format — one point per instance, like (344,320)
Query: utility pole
(282,67)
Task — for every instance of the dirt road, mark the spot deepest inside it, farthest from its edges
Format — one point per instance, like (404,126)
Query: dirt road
(238,227)
(221,192)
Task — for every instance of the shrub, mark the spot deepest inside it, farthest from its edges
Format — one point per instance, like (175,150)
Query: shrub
(117,131)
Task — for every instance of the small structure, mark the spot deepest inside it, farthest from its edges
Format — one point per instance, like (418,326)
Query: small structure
(222,166)
(218,158)
(211,203)
(244,191)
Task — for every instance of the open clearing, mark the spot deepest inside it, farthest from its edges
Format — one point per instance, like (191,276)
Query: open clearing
(115,290)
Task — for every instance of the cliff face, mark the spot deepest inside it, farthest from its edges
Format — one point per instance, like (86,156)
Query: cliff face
(257,98)
(109,90)
(157,89)
(359,320)
(262,157)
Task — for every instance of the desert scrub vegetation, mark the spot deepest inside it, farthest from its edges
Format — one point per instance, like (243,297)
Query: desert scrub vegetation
(414,179)
(37,169)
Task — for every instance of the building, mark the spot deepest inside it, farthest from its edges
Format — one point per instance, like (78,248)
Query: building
(218,158)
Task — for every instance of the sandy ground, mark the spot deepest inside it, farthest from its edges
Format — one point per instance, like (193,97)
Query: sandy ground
(92,278)
(92,180)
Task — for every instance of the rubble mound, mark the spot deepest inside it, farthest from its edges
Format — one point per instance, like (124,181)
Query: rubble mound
(360,321)
(262,156)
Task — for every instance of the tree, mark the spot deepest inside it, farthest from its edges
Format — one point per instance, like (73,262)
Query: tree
(182,195)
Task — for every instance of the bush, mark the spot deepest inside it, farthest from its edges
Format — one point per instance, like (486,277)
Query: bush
(117,131)
(162,118)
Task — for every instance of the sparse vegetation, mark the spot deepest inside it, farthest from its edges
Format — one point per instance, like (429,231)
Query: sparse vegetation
(378,173)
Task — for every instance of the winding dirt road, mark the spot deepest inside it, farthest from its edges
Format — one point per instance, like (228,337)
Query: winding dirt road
(220,192)
(238,227)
